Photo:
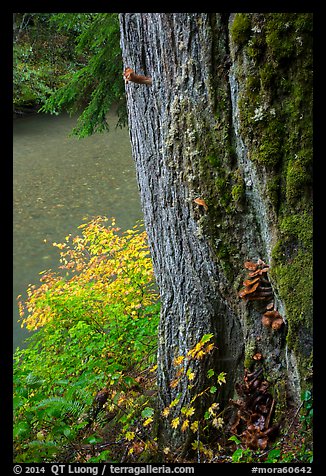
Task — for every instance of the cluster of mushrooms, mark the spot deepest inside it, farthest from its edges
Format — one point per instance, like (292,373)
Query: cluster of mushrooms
(255,410)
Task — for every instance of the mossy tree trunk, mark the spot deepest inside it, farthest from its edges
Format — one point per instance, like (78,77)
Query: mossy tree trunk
(189,142)
(271,88)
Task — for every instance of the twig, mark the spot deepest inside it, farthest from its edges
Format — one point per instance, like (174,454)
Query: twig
(198,441)
(268,419)
(125,454)
(287,432)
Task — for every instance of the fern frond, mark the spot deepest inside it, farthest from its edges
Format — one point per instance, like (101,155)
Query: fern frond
(61,406)
(33,380)
(43,444)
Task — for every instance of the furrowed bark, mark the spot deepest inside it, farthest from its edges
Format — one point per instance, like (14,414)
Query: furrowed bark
(168,124)
(220,185)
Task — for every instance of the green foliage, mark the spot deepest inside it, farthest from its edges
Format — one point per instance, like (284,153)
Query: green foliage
(72,62)
(306,417)
(41,57)
(98,84)
(97,322)
(31,83)
(72,22)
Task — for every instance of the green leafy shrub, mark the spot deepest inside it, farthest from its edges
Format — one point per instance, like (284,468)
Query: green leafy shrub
(41,57)
(96,321)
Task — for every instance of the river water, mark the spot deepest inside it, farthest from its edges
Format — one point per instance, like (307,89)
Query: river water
(58,182)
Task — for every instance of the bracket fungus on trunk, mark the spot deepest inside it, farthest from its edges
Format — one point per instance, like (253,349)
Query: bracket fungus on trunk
(201,202)
(258,288)
(130,75)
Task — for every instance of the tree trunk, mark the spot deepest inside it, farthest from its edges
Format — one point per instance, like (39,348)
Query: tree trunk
(187,145)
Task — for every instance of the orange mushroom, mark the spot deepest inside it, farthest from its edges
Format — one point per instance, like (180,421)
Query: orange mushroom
(250,265)
(201,202)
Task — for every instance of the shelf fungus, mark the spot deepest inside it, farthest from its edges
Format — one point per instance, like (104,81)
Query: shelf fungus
(253,419)
(201,202)
(130,75)
(258,288)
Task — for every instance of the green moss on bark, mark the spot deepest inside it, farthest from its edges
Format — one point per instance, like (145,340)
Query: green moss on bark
(274,70)
(241,29)
(292,272)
